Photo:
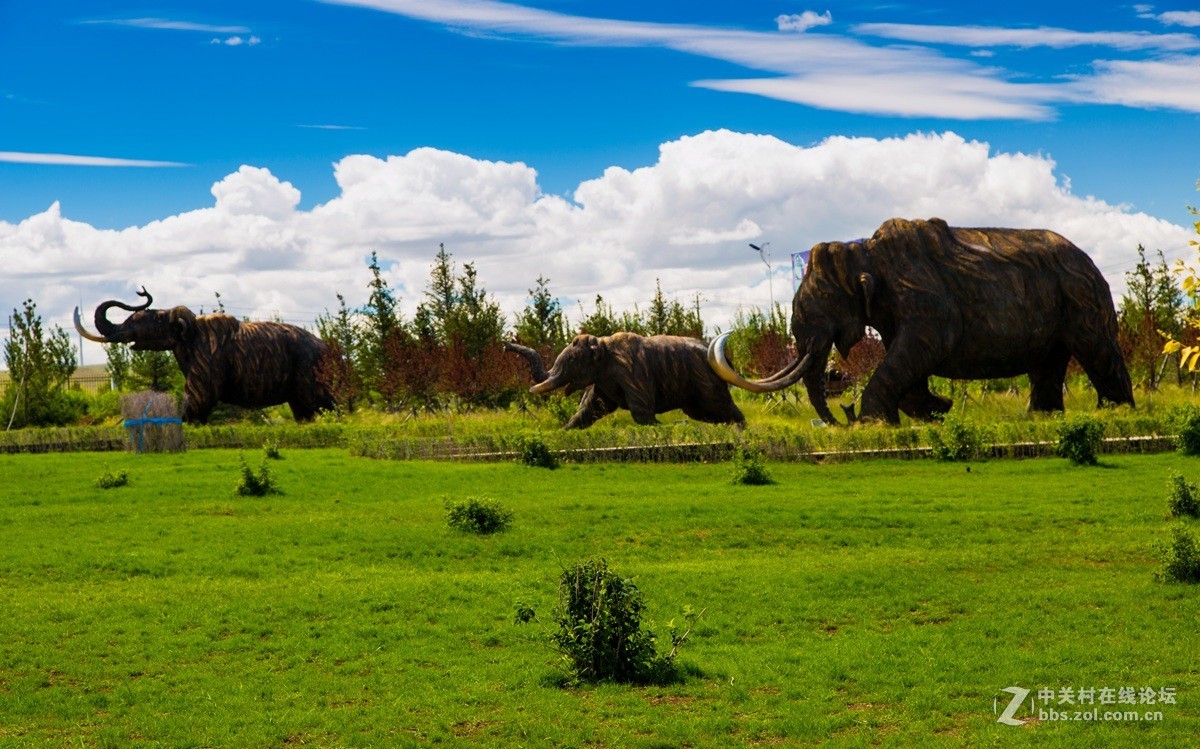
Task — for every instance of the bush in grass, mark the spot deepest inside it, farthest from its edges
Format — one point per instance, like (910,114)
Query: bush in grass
(748,468)
(110,480)
(535,453)
(1180,558)
(477,515)
(256,483)
(600,633)
(1183,499)
(1079,440)
(956,439)
(1188,441)
(271,450)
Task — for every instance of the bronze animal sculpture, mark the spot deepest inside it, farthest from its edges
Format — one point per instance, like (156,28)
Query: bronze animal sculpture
(953,302)
(250,364)
(646,375)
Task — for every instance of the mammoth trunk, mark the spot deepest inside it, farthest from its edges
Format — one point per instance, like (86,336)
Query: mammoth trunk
(537,370)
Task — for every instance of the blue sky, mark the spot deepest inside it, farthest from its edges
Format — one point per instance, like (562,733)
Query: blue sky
(127,114)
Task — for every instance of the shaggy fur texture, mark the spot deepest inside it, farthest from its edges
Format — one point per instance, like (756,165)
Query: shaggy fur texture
(249,364)
(963,304)
(646,375)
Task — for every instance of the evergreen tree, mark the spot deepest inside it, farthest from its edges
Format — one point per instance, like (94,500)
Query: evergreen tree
(381,323)
(40,365)
(341,368)
(603,320)
(474,320)
(440,297)
(154,370)
(1151,307)
(117,365)
(541,323)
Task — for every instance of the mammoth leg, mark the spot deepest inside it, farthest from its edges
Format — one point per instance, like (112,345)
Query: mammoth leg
(302,410)
(921,403)
(199,399)
(1102,363)
(640,402)
(814,384)
(719,413)
(592,407)
(905,368)
(1046,381)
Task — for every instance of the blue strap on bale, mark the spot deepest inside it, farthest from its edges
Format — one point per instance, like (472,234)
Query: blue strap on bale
(142,422)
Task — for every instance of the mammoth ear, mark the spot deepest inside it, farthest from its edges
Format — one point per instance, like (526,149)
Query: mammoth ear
(868,286)
(182,322)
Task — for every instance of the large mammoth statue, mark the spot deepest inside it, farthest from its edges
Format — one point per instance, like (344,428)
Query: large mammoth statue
(250,364)
(953,302)
(646,375)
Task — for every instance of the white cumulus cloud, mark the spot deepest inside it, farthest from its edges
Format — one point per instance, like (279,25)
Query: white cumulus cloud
(803,21)
(684,220)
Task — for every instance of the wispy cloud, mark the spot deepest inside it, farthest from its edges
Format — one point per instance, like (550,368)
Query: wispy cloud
(332,127)
(1043,36)
(170,25)
(845,72)
(1180,17)
(63,159)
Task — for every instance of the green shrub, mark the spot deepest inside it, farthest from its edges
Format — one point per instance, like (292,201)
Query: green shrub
(1079,439)
(271,450)
(748,468)
(478,515)
(1183,499)
(256,483)
(1188,441)
(561,408)
(600,634)
(110,480)
(1180,558)
(956,439)
(535,453)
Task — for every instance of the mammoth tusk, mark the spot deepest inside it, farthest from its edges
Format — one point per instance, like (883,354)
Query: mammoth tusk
(86,333)
(789,375)
(545,386)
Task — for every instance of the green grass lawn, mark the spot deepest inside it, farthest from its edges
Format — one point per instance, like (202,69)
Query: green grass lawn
(878,603)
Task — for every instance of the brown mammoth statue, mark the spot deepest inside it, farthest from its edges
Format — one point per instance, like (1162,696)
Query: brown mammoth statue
(958,303)
(646,375)
(250,364)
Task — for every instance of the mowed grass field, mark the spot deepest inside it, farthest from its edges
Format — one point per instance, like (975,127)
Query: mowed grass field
(866,604)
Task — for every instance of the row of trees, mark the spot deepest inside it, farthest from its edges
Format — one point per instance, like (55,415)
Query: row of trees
(450,352)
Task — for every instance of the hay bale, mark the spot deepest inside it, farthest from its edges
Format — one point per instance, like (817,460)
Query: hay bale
(152,422)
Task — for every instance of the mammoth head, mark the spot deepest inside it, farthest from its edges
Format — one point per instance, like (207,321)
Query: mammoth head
(145,330)
(834,302)
(576,367)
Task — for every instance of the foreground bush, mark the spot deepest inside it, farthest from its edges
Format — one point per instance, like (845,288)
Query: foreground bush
(1188,441)
(959,440)
(537,454)
(1180,558)
(600,633)
(110,480)
(478,515)
(1183,500)
(748,469)
(256,483)
(1079,440)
